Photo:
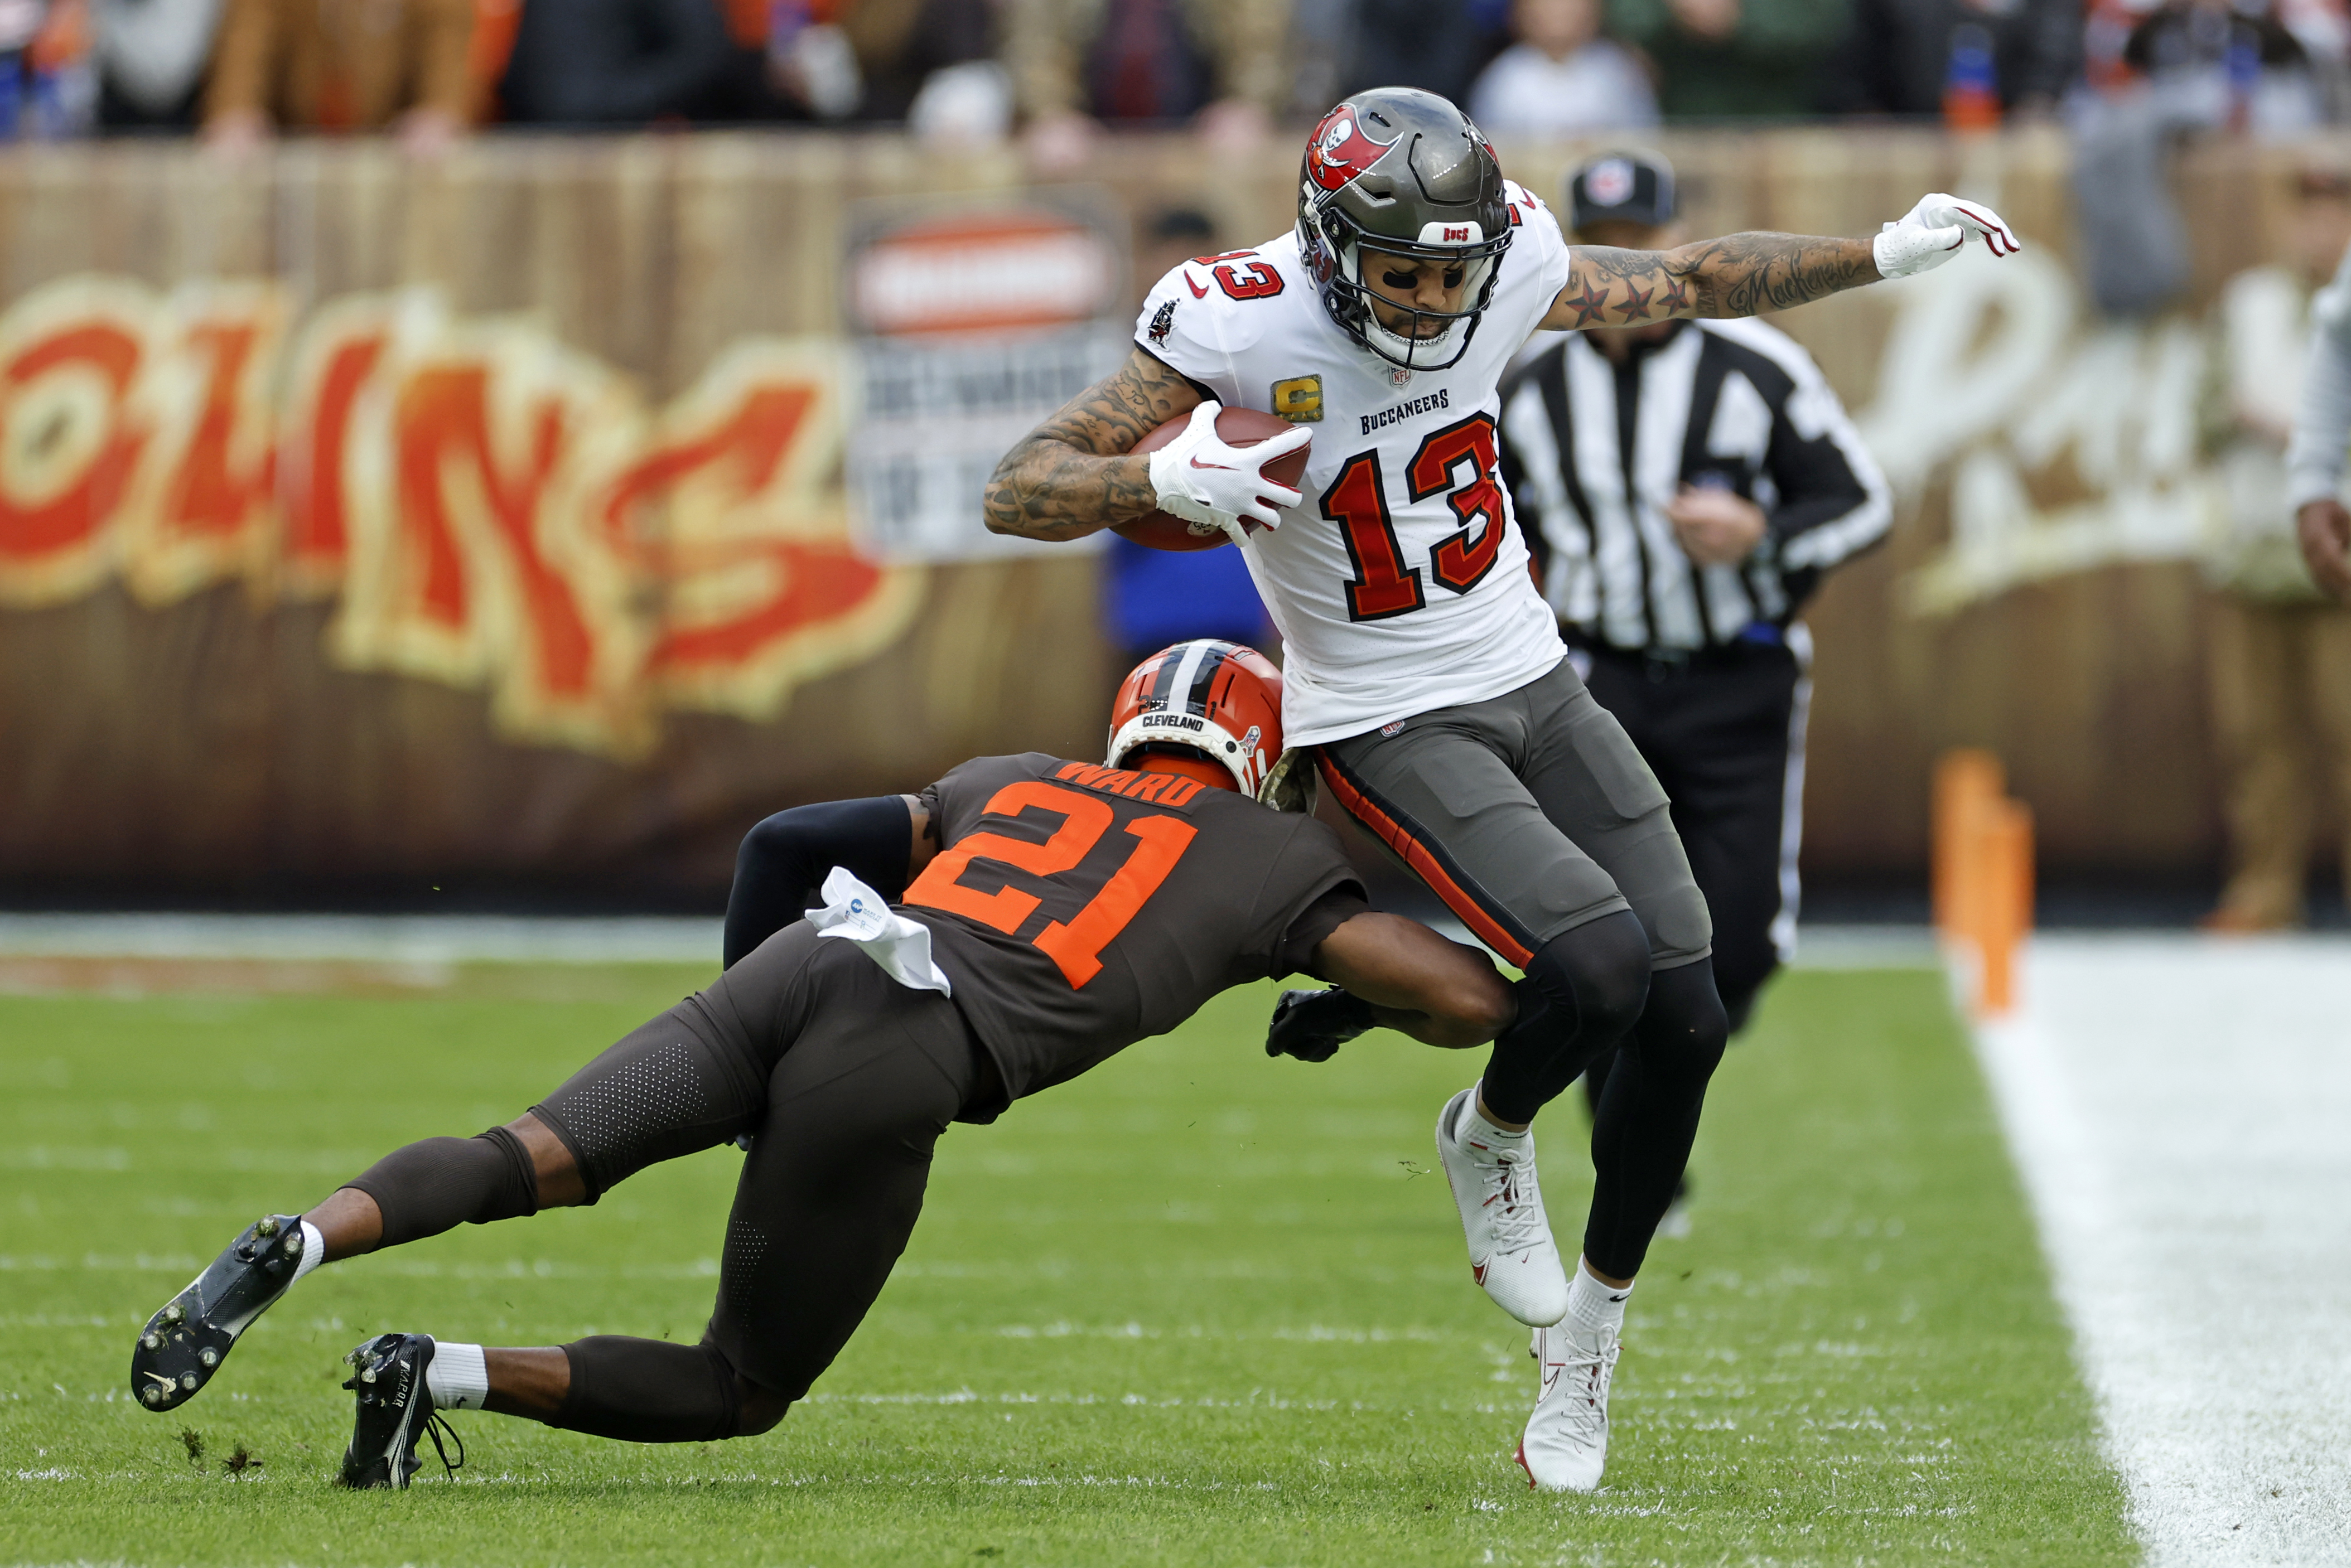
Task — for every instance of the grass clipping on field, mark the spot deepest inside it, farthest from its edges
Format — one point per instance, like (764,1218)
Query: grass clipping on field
(1197,1307)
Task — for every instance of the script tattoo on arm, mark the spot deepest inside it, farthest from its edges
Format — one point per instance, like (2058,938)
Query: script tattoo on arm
(1738,275)
(1072,475)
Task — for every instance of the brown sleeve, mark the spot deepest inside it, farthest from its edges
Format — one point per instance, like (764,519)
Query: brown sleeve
(445,47)
(241,56)
(1294,953)
(1316,892)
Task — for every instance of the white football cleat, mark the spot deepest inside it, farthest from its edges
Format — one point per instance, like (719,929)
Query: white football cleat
(1566,1442)
(1511,1253)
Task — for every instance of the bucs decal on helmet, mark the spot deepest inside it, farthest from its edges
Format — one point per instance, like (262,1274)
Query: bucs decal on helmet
(1338,150)
(1162,322)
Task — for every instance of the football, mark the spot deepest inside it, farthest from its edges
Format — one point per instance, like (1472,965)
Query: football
(1235,427)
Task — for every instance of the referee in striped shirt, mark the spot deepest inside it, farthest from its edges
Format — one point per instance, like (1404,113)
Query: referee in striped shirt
(1684,484)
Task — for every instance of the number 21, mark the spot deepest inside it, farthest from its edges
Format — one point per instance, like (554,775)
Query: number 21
(1074,947)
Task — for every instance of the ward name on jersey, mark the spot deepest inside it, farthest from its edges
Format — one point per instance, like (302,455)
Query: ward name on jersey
(1405,520)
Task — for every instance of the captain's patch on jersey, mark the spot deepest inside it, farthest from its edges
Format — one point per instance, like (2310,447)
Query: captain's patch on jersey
(1298,400)
(1162,322)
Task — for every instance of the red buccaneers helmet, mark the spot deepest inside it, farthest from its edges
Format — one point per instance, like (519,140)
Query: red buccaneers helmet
(1404,172)
(1218,698)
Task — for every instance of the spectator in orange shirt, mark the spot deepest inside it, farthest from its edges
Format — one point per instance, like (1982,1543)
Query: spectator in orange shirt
(342,65)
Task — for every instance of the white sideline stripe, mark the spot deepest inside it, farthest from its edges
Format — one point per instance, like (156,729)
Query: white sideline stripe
(2180,1112)
(439,940)
(385,938)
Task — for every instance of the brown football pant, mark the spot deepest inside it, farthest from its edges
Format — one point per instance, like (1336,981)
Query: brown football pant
(2280,689)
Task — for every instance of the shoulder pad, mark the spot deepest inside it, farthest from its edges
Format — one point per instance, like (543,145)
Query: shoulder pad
(1209,307)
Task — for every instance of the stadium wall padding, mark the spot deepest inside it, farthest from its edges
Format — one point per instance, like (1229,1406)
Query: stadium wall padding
(366,518)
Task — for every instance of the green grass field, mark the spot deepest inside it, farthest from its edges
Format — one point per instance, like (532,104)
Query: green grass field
(1196,1308)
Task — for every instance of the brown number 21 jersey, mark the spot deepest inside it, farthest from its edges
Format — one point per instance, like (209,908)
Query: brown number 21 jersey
(1078,909)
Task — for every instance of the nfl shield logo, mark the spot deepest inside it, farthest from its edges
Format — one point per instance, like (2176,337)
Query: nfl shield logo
(1610,182)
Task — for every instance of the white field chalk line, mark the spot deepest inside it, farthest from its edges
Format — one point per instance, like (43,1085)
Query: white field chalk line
(2180,1112)
(379,939)
(425,939)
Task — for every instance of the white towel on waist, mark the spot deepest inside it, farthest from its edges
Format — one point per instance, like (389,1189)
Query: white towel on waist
(901,947)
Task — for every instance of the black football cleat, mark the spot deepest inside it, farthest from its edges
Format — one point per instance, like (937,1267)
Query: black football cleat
(395,1408)
(1312,1024)
(183,1345)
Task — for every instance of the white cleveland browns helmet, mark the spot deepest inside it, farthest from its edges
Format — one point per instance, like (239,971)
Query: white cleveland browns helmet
(1217,697)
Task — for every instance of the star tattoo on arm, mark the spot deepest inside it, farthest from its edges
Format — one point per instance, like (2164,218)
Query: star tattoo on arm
(1738,275)
(1588,305)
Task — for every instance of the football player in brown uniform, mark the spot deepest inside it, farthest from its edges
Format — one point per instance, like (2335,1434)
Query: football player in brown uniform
(1042,914)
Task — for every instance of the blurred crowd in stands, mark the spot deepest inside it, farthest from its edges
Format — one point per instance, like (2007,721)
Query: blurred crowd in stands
(1056,73)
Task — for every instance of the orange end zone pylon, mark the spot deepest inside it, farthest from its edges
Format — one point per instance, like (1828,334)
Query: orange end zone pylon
(1983,874)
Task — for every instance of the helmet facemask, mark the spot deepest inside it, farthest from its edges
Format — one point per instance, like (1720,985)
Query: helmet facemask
(1408,349)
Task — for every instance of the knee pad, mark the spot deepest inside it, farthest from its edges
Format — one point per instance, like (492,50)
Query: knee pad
(1597,975)
(514,1195)
(1680,920)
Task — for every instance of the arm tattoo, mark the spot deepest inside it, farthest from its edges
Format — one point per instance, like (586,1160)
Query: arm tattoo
(1070,476)
(1591,305)
(1738,275)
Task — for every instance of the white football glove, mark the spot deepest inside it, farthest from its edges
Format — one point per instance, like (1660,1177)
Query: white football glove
(1933,233)
(1202,479)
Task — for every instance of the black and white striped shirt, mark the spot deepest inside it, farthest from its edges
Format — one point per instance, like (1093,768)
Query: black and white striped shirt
(1592,451)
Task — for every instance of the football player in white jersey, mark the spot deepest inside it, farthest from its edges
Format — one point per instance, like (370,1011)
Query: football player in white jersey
(1422,673)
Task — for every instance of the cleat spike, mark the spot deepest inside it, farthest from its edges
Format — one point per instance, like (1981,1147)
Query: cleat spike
(184,1345)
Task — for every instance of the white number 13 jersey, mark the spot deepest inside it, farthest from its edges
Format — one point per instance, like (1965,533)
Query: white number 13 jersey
(1400,584)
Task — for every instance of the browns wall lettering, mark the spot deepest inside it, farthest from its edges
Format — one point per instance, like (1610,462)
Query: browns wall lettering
(488,506)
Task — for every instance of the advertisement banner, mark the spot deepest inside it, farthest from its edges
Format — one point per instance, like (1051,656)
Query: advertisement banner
(972,324)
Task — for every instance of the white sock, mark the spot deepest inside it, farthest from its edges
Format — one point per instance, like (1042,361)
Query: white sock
(457,1377)
(314,1252)
(1473,1123)
(1592,1307)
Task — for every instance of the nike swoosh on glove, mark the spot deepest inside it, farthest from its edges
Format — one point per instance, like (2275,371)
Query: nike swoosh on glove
(1934,231)
(1312,1024)
(1201,479)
